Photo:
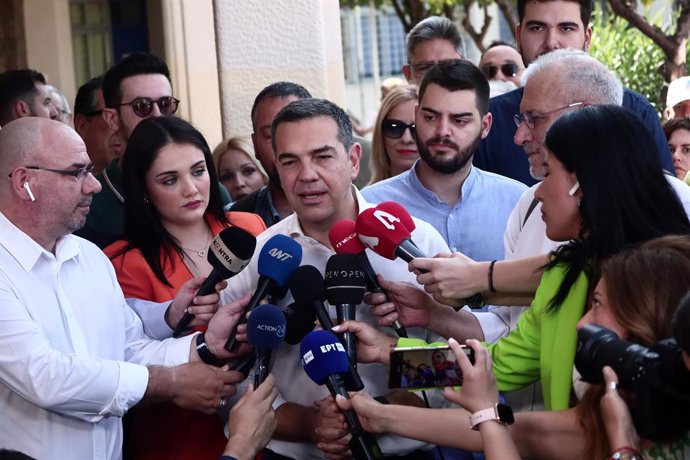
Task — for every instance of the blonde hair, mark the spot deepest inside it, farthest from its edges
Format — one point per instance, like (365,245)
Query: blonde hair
(244,145)
(379,162)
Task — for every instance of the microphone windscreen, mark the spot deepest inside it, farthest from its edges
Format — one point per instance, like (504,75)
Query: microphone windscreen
(323,355)
(343,238)
(279,257)
(381,232)
(231,250)
(266,327)
(396,209)
(307,286)
(299,321)
(345,281)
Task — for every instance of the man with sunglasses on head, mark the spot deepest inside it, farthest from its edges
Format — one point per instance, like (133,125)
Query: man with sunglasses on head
(136,88)
(103,144)
(547,25)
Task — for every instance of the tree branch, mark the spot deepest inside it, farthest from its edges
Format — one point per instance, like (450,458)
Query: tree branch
(657,35)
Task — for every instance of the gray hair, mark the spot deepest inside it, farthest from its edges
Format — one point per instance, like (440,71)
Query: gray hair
(433,27)
(582,76)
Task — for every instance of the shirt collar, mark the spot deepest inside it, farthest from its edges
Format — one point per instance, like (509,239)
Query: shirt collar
(27,252)
(417,185)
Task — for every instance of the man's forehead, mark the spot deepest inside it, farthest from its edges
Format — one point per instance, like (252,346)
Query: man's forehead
(269,107)
(541,91)
(153,85)
(553,12)
(436,49)
(323,131)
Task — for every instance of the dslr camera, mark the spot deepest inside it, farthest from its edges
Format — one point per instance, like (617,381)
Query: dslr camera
(656,376)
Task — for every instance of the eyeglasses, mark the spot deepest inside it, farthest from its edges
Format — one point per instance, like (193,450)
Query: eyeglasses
(396,128)
(143,106)
(509,69)
(424,66)
(79,174)
(530,118)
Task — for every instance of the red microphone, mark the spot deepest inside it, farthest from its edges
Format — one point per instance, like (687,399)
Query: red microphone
(396,209)
(344,239)
(386,235)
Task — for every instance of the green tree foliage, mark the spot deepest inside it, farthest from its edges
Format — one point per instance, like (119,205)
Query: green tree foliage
(632,56)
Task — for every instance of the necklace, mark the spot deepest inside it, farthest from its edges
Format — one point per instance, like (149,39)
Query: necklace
(204,251)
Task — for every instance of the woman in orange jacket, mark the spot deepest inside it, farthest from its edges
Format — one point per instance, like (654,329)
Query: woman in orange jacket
(173,211)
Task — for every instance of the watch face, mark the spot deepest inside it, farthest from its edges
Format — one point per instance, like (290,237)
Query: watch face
(505,414)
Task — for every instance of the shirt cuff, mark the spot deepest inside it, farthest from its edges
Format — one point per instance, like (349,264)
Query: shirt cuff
(152,315)
(132,384)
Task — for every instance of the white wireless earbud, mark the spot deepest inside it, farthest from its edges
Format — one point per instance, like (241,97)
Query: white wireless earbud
(574,189)
(28,190)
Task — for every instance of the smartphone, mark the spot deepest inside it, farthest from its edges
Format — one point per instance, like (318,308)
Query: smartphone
(425,367)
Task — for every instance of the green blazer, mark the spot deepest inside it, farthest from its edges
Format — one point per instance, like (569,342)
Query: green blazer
(542,346)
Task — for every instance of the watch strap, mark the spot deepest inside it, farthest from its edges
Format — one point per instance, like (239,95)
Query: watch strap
(205,354)
(484,415)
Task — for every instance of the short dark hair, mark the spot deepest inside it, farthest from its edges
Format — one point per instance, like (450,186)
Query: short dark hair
(585,9)
(456,75)
(278,89)
(143,228)
(432,28)
(85,102)
(675,124)
(15,85)
(306,109)
(129,66)
(496,43)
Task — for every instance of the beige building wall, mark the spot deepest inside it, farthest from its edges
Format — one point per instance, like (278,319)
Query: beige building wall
(261,42)
(182,32)
(49,43)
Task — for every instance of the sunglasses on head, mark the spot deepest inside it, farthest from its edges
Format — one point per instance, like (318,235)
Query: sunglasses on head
(143,106)
(396,128)
(509,69)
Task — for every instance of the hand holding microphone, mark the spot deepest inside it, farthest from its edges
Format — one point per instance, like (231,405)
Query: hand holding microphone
(278,258)
(325,361)
(230,251)
(387,234)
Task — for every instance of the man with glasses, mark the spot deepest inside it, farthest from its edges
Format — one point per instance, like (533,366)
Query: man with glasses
(24,93)
(136,88)
(77,357)
(432,40)
(468,206)
(547,25)
(102,143)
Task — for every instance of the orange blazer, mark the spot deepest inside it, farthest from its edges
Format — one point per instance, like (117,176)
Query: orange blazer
(165,431)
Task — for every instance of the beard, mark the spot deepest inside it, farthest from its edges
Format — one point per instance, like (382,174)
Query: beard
(450,165)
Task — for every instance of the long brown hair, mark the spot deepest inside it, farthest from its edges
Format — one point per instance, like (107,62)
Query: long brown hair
(645,285)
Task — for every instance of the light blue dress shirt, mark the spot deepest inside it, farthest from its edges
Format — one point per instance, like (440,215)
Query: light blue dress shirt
(474,226)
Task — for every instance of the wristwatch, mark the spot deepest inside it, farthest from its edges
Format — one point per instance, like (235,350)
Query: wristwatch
(499,412)
(205,354)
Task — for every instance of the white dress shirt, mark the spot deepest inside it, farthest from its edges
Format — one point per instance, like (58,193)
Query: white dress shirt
(292,382)
(68,342)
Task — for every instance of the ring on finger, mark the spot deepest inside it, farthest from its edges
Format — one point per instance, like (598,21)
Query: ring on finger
(222,404)
(613,386)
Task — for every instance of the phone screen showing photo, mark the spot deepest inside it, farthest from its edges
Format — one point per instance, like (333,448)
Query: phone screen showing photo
(427,367)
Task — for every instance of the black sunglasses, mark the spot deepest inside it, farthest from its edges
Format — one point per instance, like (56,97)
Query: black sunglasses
(143,106)
(396,128)
(509,69)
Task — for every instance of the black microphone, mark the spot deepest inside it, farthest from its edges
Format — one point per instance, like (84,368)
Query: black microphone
(279,257)
(325,361)
(344,239)
(265,332)
(345,286)
(230,251)
(308,289)
(299,321)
